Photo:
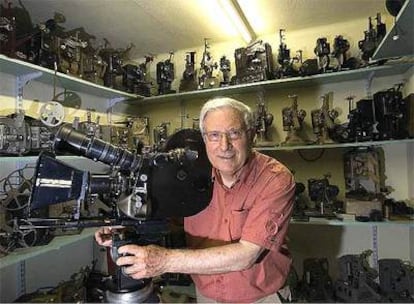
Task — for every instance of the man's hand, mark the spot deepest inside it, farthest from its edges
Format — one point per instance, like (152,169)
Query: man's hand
(103,236)
(142,261)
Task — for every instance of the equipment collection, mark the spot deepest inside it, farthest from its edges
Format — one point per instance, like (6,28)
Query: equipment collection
(53,198)
(74,52)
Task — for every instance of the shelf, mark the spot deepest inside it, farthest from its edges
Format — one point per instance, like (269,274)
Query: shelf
(19,67)
(57,243)
(333,222)
(334,146)
(404,30)
(319,79)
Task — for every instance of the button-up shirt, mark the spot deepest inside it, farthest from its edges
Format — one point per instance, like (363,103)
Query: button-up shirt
(257,208)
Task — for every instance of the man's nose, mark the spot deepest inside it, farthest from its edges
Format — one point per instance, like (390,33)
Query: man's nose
(225,142)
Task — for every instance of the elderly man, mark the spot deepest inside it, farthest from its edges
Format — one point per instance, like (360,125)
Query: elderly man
(236,246)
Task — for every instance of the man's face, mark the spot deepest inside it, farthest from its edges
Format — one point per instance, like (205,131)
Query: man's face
(226,154)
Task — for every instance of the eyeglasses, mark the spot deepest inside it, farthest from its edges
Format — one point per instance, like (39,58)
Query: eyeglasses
(233,134)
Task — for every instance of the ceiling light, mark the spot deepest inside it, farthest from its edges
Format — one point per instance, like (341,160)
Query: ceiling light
(237,17)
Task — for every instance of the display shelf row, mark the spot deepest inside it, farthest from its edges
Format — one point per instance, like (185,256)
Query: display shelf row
(58,242)
(17,67)
(336,145)
(306,81)
(33,158)
(337,222)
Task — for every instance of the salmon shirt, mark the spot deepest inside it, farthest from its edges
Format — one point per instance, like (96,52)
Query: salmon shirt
(257,208)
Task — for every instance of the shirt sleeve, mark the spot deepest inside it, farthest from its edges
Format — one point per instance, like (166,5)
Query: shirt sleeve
(268,218)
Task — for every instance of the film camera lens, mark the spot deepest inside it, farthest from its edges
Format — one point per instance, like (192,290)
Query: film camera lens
(70,140)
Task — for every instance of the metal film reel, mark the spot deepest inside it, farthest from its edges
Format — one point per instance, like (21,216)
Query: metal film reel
(13,237)
(52,114)
(16,188)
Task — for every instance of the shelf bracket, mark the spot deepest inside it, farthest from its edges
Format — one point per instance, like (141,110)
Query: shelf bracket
(111,103)
(21,283)
(369,84)
(21,81)
(375,247)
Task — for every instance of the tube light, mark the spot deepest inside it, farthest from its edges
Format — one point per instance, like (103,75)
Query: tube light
(238,19)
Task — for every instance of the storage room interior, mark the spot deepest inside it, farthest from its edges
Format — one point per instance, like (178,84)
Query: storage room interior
(162,30)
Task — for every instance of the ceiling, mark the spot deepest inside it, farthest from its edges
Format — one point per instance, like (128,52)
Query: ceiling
(161,26)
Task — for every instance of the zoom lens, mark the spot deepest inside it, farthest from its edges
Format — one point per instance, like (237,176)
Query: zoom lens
(70,140)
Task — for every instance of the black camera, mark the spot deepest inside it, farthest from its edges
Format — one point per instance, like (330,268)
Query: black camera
(142,192)
(321,190)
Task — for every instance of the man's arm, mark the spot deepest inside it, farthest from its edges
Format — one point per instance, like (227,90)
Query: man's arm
(152,260)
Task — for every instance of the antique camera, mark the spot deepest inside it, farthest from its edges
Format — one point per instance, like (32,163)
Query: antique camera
(206,79)
(286,67)
(134,78)
(323,50)
(114,74)
(44,47)
(23,135)
(316,284)
(225,69)
(324,195)
(293,122)
(263,121)
(361,121)
(320,189)
(160,134)
(189,80)
(396,280)
(165,76)
(323,121)
(372,38)
(71,51)
(141,192)
(253,63)
(357,279)
(383,117)
(391,111)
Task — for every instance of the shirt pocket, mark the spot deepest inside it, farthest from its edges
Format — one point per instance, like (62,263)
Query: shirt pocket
(237,220)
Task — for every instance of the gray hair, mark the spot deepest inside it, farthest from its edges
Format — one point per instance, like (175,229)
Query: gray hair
(227,102)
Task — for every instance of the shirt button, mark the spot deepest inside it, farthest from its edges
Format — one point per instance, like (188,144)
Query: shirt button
(226,221)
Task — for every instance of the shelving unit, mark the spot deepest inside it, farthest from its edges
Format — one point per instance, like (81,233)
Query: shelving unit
(387,49)
(340,145)
(18,67)
(58,242)
(319,221)
(388,69)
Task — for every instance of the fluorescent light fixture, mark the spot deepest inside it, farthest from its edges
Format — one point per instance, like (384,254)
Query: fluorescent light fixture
(236,16)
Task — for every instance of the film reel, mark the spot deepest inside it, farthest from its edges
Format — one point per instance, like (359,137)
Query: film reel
(16,189)
(16,238)
(52,114)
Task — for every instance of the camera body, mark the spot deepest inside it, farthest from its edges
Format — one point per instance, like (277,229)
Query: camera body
(320,189)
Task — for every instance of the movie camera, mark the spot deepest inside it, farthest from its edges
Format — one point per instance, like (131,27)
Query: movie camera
(142,192)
